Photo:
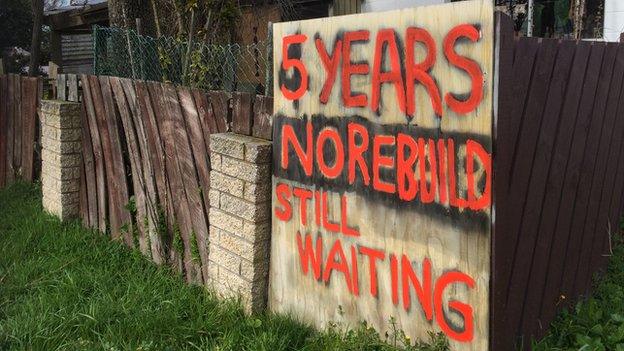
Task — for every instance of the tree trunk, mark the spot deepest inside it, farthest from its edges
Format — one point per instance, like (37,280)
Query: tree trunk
(35,45)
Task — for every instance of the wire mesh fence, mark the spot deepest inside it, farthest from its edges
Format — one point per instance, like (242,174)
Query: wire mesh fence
(230,67)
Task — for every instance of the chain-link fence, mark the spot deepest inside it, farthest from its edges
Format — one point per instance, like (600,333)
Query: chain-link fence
(230,67)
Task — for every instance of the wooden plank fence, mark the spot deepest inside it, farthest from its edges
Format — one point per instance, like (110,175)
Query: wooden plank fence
(19,102)
(147,163)
(559,167)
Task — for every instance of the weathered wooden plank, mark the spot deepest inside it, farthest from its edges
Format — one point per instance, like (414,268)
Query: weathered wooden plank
(220,101)
(118,166)
(4,105)
(201,166)
(594,167)
(198,229)
(263,117)
(10,128)
(157,157)
(183,219)
(206,116)
(61,87)
(544,219)
(135,164)
(98,153)
(83,201)
(147,172)
(541,140)
(30,88)
(194,128)
(72,87)
(242,113)
(114,219)
(88,163)
(592,101)
(17,126)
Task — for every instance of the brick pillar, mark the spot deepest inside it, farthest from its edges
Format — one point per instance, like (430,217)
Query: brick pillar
(61,156)
(240,218)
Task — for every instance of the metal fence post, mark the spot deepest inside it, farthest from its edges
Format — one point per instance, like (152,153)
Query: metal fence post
(269,62)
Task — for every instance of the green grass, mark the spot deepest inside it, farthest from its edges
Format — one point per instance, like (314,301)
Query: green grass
(596,323)
(66,288)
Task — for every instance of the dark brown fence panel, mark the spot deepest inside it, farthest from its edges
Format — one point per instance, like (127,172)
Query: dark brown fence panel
(559,166)
(4,121)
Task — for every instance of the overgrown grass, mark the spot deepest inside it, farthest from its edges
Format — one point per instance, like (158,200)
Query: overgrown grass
(65,288)
(596,323)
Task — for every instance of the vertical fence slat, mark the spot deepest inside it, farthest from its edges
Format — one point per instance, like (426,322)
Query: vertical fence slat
(262,117)
(29,119)
(597,226)
(17,126)
(196,135)
(3,128)
(543,227)
(504,57)
(587,203)
(10,116)
(88,162)
(123,224)
(98,155)
(182,216)
(534,152)
(242,113)
(135,163)
(220,102)
(157,157)
(594,90)
(196,171)
(72,88)
(522,164)
(61,87)
(147,172)
(183,154)
(206,116)
(114,219)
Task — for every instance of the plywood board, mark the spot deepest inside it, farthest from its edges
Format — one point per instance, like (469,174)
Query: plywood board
(382,136)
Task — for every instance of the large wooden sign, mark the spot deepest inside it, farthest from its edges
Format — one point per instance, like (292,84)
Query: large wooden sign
(383,170)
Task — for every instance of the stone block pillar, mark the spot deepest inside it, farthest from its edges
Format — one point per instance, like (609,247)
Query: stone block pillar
(61,156)
(240,217)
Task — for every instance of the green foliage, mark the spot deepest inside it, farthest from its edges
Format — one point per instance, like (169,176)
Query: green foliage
(178,243)
(131,207)
(597,323)
(15,23)
(63,287)
(195,256)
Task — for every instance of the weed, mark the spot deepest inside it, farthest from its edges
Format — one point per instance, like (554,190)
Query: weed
(595,323)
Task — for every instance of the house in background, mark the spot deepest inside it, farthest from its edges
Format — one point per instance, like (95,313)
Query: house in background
(613,19)
(71,42)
